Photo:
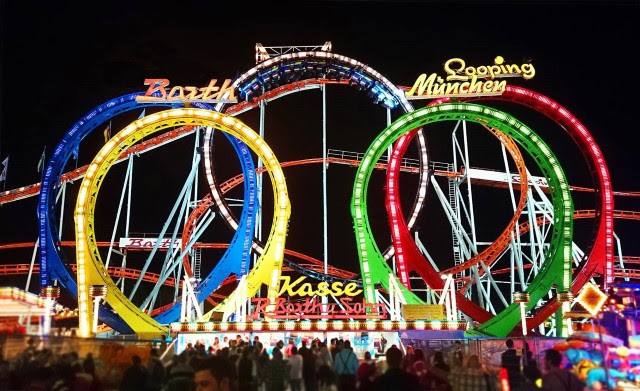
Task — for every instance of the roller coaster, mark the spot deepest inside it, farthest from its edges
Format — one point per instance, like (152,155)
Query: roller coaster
(537,243)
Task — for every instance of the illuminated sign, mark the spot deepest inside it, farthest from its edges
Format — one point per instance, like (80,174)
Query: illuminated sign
(148,243)
(297,288)
(591,298)
(157,92)
(463,80)
(423,312)
(315,309)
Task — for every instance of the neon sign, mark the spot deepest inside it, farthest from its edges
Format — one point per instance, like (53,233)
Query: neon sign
(212,93)
(336,289)
(148,243)
(464,81)
(314,309)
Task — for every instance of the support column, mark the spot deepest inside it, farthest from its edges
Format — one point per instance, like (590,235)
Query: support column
(565,298)
(523,299)
(50,294)
(97,293)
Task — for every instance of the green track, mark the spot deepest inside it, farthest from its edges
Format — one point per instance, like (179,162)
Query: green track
(556,268)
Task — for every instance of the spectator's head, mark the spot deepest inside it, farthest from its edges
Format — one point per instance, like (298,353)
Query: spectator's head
(367,356)
(280,344)
(473,362)
(294,351)
(347,344)
(509,344)
(277,354)
(215,373)
(552,359)
(304,343)
(89,365)
(394,357)
(418,354)
(438,358)
(136,360)
(154,352)
(458,345)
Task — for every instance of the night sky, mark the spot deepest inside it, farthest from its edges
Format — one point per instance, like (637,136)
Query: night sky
(61,60)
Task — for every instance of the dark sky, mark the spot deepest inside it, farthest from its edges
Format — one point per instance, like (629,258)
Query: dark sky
(61,60)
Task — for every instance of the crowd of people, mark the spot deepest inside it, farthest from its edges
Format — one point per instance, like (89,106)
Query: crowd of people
(244,365)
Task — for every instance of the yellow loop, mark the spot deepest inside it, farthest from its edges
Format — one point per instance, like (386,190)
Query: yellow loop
(91,270)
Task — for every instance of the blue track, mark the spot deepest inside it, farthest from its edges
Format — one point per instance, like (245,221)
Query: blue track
(52,266)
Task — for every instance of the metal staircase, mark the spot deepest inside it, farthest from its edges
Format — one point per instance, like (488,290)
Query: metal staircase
(197,260)
(453,202)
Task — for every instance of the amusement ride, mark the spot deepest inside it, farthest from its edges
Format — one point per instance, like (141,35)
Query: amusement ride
(524,280)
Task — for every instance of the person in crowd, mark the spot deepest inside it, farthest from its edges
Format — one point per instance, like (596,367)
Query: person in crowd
(407,360)
(276,372)
(345,365)
(556,378)
(420,367)
(295,370)
(366,373)
(324,356)
(287,350)
(303,349)
(170,366)
(335,348)
(215,374)
(179,375)
(65,379)
(471,377)
(457,358)
(439,373)
(247,370)
(395,378)
(89,368)
(155,372)
(135,376)
(309,359)
(530,368)
(262,362)
(510,360)
(326,379)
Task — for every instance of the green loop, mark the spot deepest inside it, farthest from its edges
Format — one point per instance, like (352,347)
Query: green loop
(556,268)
